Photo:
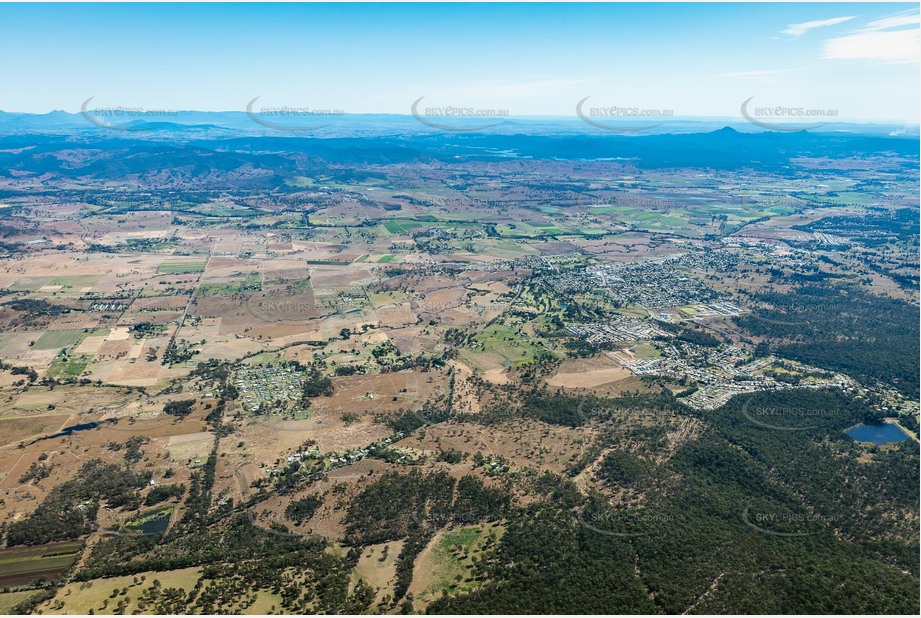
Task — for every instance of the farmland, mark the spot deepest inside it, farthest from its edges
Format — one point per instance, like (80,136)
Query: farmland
(20,566)
(416,379)
(181,267)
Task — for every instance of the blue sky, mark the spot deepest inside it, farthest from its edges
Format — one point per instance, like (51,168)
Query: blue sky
(539,59)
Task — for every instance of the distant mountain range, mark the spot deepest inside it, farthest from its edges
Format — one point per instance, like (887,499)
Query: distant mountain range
(194,155)
(224,124)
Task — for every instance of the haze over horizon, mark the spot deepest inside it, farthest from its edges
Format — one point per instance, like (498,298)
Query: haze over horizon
(860,60)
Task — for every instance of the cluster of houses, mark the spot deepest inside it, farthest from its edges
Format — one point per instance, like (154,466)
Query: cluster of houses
(267,383)
(340,459)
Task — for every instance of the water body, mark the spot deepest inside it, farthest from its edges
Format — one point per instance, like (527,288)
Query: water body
(73,428)
(877,434)
(155,525)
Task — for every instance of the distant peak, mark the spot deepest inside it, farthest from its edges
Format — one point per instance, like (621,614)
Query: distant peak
(726,131)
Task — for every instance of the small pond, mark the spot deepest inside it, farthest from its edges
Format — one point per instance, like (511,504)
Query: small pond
(877,433)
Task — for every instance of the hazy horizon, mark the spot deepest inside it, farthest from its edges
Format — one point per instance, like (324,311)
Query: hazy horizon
(858,59)
(558,117)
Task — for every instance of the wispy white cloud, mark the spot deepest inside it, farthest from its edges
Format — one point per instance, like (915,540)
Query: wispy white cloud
(908,18)
(806,26)
(895,39)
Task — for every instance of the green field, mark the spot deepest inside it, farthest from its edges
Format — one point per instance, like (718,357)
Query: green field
(632,311)
(689,218)
(401,226)
(5,338)
(853,198)
(72,367)
(387,298)
(549,228)
(9,600)
(55,339)
(451,562)
(182,267)
(75,281)
(265,358)
(504,341)
(29,284)
(645,350)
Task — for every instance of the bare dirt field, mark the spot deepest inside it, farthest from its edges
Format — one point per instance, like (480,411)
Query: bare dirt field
(588,373)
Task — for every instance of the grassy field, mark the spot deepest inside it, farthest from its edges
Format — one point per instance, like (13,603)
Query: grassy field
(9,600)
(446,567)
(504,341)
(15,429)
(401,226)
(97,594)
(56,339)
(377,567)
(70,283)
(549,228)
(71,368)
(632,311)
(532,230)
(265,358)
(182,267)
(645,350)
(233,286)
(387,298)
(80,598)
(689,311)
(29,284)
(691,219)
